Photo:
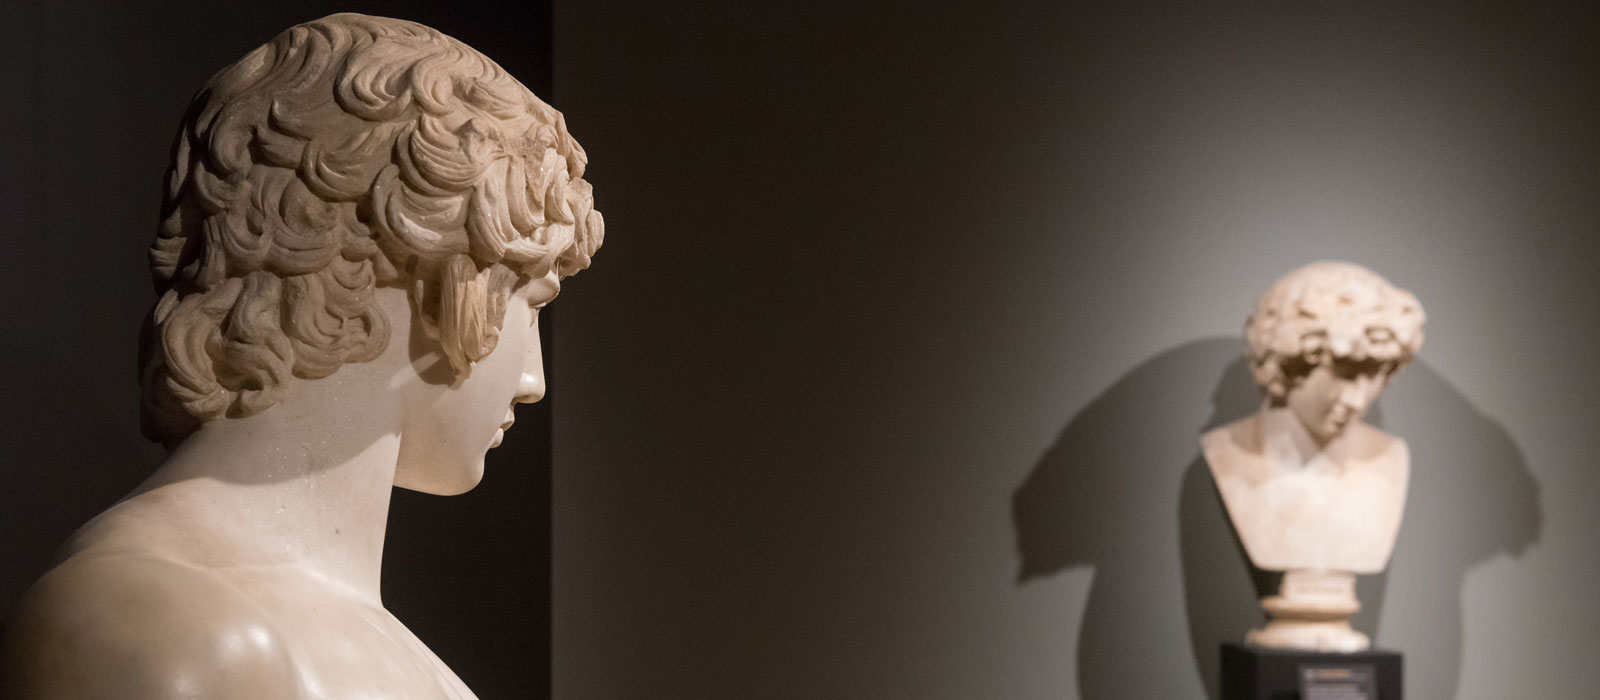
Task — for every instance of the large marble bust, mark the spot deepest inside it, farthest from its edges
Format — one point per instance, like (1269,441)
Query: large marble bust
(361,220)
(1311,489)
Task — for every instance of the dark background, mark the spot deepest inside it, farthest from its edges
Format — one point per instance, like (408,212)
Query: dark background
(888,379)
(94,92)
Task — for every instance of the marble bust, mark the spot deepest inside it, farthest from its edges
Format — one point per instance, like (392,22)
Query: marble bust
(361,221)
(1311,489)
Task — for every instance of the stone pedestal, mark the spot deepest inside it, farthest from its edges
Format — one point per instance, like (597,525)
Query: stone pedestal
(1312,612)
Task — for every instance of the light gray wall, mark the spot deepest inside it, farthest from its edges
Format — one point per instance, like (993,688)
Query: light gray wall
(887,381)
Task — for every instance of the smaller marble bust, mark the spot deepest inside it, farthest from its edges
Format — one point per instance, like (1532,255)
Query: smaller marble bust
(1311,489)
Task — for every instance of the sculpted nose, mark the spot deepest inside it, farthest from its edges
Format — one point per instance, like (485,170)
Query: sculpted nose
(1350,394)
(1358,393)
(530,387)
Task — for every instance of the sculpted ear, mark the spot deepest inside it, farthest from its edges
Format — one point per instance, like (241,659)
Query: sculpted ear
(463,307)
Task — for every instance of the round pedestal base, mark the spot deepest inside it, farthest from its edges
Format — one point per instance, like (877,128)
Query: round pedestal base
(1312,612)
(1310,636)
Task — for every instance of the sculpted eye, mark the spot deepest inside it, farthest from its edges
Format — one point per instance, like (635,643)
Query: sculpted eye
(538,291)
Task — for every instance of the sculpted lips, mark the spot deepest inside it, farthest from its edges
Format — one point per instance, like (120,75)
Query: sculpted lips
(500,434)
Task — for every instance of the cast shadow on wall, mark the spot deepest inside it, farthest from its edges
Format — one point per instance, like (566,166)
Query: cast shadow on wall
(1125,491)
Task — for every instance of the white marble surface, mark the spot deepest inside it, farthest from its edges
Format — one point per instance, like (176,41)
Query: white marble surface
(362,219)
(1310,488)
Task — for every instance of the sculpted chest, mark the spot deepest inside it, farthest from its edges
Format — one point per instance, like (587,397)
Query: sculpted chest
(343,648)
(1329,513)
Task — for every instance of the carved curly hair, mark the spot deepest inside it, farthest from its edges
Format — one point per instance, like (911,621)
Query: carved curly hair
(1330,310)
(347,153)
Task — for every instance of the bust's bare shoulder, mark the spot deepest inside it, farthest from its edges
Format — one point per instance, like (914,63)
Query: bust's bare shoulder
(1242,436)
(1378,453)
(140,626)
(1375,445)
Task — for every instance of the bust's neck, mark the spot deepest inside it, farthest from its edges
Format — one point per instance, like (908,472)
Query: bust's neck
(1287,444)
(304,484)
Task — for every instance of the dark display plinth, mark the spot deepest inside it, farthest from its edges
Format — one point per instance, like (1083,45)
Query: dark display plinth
(1258,673)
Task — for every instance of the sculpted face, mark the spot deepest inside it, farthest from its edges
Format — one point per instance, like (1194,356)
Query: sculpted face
(1335,394)
(449,426)
(1324,340)
(347,156)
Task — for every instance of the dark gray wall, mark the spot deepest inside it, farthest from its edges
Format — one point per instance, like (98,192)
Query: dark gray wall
(887,381)
(94,92)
